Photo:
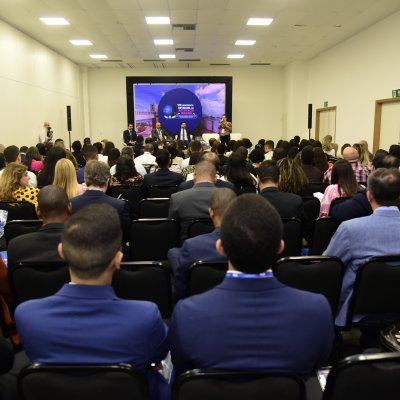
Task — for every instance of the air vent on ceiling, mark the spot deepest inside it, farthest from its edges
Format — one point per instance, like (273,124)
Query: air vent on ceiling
(115,61)
(219,64)
(154,60)
(184,27)
(189,59)
(185,49)
(299,25)
(260,64)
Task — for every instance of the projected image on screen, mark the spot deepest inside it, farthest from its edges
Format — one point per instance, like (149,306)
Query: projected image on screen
(200,106)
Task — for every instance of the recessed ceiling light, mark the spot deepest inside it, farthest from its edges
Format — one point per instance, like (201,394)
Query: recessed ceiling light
(245,42)
(98,56)
(260,21)
(167,55)
(54,21)
(163,41)
(81,42)
(235,56)
(158,20)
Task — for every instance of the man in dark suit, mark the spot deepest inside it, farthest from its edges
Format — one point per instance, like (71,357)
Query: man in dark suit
(85,322)
(130,136)
(201,247)
(97,176)
(183,134)
(54,209)
(249,321)
(288,205)
(194,203)
(159,133)
(163,176)
(89,153)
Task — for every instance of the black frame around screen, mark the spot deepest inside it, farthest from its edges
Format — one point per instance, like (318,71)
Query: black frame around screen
(131,80)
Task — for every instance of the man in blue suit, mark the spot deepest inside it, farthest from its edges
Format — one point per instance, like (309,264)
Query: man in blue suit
(201,247)
(85,322)
(374,235)
(97,177)
(251,321)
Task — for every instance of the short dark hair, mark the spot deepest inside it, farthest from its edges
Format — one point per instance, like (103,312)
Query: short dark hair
(195,145)
(127,151)
(99,147)
(251,232)
(194,158)
(270,144)
(90,239)
(52,200)
(77,146)
(384,185)
(269,171)
(90,152)
(23,149)
(11,154)
(162,158)
(256,156)
(307,155)
(394,150)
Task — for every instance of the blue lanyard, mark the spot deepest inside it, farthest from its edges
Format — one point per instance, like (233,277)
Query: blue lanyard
(240,275)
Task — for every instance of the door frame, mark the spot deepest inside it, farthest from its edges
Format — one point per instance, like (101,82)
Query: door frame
(378,119)
(318,111)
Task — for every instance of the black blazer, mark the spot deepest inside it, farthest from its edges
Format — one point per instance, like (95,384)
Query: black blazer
(129,136)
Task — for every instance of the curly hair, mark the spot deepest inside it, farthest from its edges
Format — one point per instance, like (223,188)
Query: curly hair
(293,179)
(9,180)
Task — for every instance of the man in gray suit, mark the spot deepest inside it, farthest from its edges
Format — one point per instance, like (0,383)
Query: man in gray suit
(159,133)
(194,203)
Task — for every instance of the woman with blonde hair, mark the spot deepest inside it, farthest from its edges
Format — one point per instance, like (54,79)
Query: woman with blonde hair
(329,147)
(14,184)
(363,154)
(65,177)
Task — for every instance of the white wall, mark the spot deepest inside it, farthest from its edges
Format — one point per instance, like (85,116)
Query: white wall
(355,73)
(257,108)
(36,85)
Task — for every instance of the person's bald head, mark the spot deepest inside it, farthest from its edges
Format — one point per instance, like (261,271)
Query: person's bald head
(53,204)
(205,172)
(212,158)
(350,154)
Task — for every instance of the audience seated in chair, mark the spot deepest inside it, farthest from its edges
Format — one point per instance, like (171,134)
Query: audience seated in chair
(288,205)
(85,323)
(248,321)
(163,176)
(97,177)
(200,248)
(194,203)
(54,209)
(374,235)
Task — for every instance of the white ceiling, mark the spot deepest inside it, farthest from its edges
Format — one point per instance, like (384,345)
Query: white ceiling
(118,28)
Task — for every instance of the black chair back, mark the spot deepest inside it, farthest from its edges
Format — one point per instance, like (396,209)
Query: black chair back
(18,210)
(154,208)
(89,382)
(311,208)
(131,194)
(150,239)
(143,280)
(364,377)
(237,385)
(204,275)
(321,275)
(324,229)
(244,189)
(318,187)
(292,236)
(200,227)
(17,228)
(159,191)
(376,289)
(36,280)
(337,201)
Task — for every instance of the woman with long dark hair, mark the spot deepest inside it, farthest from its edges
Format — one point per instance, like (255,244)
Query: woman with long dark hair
(343,184)
(46,175)
(238,174)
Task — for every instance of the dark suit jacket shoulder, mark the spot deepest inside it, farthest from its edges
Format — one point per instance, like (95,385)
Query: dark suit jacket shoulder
(162,177)
(36,246)
(356,207)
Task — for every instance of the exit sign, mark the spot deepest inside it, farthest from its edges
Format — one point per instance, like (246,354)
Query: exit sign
(325,104)
(396,93)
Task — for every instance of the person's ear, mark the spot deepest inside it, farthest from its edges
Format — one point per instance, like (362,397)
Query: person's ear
(219,247)
(370,196)
(210,213)
(281,247)
(38,213)
(69,208)
(118,259)
(60,251)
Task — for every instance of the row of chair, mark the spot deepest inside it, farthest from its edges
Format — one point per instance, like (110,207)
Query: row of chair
(375,291)
(359,377)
